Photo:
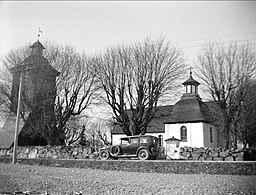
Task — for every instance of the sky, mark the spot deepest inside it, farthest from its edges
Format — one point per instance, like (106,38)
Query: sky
(92,26)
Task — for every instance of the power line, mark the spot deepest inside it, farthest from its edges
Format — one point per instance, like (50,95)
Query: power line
(219,37)
(225,42)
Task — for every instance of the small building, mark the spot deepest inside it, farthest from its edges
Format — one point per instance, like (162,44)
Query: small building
(194,122)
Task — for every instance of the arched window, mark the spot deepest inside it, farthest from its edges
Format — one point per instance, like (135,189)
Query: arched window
(183,133)
(160,138)
(211,135)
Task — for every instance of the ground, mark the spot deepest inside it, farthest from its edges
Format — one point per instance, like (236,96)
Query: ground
(57,180)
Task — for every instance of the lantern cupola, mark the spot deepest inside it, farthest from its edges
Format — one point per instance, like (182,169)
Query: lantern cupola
(191,85)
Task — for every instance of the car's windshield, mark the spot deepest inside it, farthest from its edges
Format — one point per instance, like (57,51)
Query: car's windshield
(125,141)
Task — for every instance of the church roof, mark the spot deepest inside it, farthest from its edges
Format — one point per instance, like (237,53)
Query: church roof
(191,80)
(41,64)
(191,109)
(157,123)
(37,44)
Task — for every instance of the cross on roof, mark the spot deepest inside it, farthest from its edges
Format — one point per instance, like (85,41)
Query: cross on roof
(190,69)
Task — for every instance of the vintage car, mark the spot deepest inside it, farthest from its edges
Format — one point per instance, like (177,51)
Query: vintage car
(142,146)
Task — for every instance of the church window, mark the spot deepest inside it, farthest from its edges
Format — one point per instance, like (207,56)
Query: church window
(211,135)
(160,138)
(183,133)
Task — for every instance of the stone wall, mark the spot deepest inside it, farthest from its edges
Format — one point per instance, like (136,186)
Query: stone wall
(55,152)
(211,154)
(78,152)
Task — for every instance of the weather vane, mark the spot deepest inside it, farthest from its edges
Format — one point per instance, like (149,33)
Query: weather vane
(190,69)
(39,33)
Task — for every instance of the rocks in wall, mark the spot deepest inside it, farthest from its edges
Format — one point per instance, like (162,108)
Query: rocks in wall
(211,154)
(78,152)
(55,152)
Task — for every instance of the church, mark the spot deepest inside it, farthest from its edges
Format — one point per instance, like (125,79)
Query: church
(194,122)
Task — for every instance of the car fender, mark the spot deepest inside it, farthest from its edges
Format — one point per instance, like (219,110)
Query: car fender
(142,147)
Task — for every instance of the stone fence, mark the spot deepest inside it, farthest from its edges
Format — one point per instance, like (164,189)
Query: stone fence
(212,154)
(55,152)
(79,152)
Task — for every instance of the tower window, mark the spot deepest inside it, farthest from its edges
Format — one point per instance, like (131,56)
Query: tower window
(183,133)
(188,89)
(211,140)
(193,89)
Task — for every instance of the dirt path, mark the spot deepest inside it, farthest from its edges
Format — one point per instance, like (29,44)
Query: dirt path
(70,180)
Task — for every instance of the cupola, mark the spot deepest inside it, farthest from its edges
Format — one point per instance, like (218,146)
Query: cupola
(191,85)
(37,48)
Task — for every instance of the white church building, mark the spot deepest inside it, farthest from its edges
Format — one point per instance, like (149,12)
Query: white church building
(192,121)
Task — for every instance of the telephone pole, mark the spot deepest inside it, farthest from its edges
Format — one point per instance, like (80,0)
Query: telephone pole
(21,69)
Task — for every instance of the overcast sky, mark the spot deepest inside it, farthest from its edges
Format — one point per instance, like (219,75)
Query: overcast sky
(93,26)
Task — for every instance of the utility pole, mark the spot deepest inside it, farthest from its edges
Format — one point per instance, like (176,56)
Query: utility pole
(21,69)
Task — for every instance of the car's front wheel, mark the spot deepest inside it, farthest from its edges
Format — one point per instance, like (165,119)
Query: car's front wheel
(104,154)
(114,150)
(143,154)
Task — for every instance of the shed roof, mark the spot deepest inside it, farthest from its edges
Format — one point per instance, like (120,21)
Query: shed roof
(8,130)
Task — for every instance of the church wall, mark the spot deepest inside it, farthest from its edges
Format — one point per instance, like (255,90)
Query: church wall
(116,138)
(194,133)
(208,142)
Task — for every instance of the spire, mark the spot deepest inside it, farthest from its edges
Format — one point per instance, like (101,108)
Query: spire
(190,68)
(191,84)
(39,34)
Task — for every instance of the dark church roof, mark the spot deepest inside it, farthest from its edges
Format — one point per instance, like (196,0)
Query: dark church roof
(42,65)
(191,80)
(157,123)
(37,44)
(190,109)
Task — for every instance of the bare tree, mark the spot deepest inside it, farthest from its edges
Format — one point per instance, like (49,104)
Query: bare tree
(75,90)
(227,72)
(136,77)
(76,87)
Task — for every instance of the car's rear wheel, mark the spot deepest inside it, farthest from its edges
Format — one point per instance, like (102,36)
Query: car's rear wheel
(115,150)
(143,154)
(104,154)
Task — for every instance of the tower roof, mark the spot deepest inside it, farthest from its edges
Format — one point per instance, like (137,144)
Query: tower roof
(37,44)
(191,80)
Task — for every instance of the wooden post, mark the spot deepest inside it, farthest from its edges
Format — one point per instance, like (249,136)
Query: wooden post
(17,121)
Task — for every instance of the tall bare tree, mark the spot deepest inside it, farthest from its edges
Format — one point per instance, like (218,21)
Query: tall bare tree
(135,78)
(76,88)
(227,72)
